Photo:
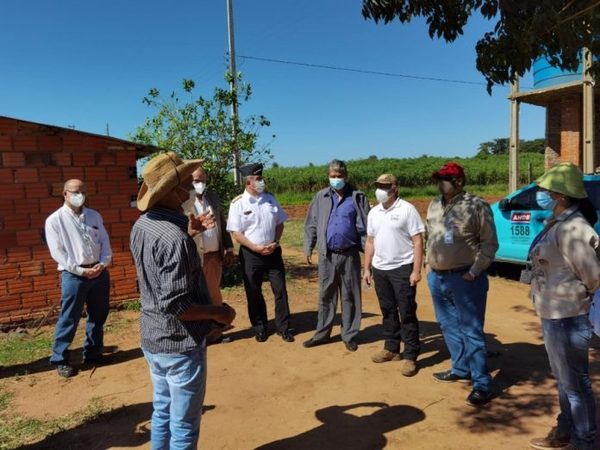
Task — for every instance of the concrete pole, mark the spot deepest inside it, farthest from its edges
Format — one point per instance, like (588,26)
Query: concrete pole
(589,163)
(234,105)
(513,148)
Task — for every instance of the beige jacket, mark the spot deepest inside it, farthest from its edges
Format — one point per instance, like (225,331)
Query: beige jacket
(213,200)
(566,269)
(460,234)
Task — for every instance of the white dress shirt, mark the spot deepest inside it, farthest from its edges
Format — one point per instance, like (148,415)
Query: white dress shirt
(77,239)
(393,230)
(210,237)
(256,217)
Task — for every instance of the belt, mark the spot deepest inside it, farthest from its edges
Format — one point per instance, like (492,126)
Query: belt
(341,250)
(457,270)
(88,266)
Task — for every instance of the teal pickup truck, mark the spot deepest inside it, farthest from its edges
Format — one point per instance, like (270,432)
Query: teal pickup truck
(519,219)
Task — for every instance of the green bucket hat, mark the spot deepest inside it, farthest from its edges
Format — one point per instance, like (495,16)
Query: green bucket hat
(564,178)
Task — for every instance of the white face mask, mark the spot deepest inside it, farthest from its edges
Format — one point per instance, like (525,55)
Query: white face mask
(259,186)
(199,187)
(382,195)
(77,199)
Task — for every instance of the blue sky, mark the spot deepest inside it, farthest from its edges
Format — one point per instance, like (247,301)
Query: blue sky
(88,63)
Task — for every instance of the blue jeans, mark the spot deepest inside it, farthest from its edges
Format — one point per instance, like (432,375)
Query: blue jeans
(179,383)
(76,292)
(460,310)
(567,344)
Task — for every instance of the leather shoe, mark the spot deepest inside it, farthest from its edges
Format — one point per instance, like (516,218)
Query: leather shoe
(286,335)
(478,398)
(449,377)
(66,371)
(351,345)
(312,343)
(261,336)
(98,360)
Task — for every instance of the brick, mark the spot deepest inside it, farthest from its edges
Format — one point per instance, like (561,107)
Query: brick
(62,159)
(37,159)
(8,239)
(37,190)
(99,203)
(7,176)
(50,174)
(18,254)
(13,159)
(34,300)
(120,230)
(57,189)
(84,158)
(108,187)
(125,158)
(129,214)
(119,201)
(96,173)
(9,271)
(6,205)
(13,191)
(37,220)
(46,282)
(111,215)
(3,288)
(50,143)
(106,159)
(9,126)
(10,302)
(25,143)
(20,286)
(73,141)
(31,269)
(15,222)
(123,259)
(29,237)
(26,175)
(31,205)
(68,173)
(128,186)
(6,144)
(49,205)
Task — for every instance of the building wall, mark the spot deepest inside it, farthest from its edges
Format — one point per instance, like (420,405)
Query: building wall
(35,161)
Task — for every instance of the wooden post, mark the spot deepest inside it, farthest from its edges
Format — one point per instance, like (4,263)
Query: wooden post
(513,149)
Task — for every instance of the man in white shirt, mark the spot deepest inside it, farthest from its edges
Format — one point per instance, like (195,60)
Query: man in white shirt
(394,251)
(78,242)
(256,221)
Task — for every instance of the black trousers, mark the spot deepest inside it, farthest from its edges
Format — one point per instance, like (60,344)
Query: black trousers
(254,268)
(396,295)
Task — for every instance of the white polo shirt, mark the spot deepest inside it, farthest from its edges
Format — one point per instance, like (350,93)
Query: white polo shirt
(393,230)
(255,217)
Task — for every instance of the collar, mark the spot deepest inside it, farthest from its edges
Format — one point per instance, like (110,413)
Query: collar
(73,213)
(170,215)
(392,206)
(252,199)
(454,199)
(345,192)
(571,210)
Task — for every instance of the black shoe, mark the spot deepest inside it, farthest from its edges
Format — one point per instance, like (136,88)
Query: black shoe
(351,345)
(449,377)
(286,335)
(478,398)
(261,336)
(312,342)
(66,371)
(98,360)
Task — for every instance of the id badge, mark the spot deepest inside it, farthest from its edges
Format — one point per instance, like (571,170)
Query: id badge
(449,236)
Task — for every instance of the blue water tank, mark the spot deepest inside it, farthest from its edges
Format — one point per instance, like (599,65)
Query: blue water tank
(544,75)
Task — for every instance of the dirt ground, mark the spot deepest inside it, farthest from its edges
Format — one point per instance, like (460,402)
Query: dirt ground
(278,395)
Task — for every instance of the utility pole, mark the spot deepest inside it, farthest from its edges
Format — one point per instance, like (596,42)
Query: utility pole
(589,163)
(234,104)
(513,147)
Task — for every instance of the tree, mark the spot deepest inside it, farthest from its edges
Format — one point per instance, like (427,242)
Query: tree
(499,146)
(202,128)
(523,30)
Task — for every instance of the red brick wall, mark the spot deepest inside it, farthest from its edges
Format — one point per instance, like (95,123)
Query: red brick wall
(35,161)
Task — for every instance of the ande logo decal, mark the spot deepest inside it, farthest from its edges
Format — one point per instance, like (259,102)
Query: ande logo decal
(520,217)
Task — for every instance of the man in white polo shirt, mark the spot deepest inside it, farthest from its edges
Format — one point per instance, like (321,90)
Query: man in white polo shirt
(394,252)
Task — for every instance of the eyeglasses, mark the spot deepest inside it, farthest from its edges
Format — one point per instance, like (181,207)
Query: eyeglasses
(75,192)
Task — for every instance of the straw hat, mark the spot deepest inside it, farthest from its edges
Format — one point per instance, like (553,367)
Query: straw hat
(163,173)
(564,178)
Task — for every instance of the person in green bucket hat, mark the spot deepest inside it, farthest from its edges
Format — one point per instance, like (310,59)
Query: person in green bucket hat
(564,276)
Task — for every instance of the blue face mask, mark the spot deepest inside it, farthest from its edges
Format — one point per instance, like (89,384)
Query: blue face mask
(544,200)
(337,183)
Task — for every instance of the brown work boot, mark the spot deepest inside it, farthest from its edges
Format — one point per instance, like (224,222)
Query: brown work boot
(385,356)
(554,439)
(409,368)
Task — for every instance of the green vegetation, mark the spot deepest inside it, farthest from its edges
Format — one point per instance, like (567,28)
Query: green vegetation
(486,175)
(20,349)
(293,234)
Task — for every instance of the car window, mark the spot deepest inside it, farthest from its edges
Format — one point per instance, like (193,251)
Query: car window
(525,200)
(593,190)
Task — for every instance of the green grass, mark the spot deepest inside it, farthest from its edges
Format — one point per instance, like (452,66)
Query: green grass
(15,349)
(293,234)
(131,305)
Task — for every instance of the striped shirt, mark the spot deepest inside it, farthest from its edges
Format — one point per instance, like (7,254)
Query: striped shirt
(171,282)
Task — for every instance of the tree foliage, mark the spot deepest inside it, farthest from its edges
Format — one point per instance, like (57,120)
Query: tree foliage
(199,127)
(522,30)
(500,147)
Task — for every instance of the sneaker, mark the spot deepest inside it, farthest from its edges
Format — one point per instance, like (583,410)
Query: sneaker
(409,368)
(449,377)
(478,398)
(66,371)
(385,356)
(554,439)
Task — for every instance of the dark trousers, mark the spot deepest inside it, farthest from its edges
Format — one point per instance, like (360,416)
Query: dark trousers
(254,268)
(76,292)
(396,295)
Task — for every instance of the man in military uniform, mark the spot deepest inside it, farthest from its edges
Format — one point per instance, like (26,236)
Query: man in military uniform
(256,220)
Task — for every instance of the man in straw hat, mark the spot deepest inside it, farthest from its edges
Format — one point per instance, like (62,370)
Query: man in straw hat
(176,305)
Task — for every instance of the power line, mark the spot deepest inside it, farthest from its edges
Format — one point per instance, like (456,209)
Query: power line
(368,72)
